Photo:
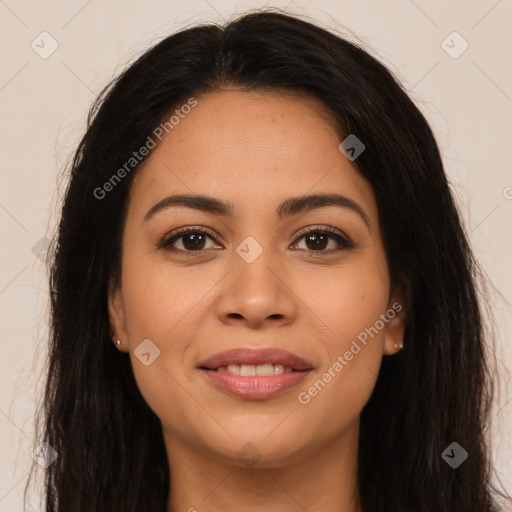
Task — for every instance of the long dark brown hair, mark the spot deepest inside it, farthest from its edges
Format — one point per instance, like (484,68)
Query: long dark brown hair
(437,390)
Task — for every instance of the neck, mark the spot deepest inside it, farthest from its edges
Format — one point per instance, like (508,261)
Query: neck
(318,479)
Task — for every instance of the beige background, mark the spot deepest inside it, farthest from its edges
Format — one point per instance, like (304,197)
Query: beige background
(44,102)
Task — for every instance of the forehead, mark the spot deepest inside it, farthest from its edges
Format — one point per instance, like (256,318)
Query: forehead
(238,146)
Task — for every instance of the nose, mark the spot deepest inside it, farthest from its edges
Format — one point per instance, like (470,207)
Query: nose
(257,293)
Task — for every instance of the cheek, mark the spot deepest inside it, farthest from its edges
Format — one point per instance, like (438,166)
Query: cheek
(346,300)
(351,334)
(159,306)
(157,298)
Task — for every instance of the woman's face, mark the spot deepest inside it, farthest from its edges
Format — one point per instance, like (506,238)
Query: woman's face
(254,279)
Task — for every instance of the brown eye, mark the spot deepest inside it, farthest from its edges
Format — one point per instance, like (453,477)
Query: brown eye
(191,239)
(317,240)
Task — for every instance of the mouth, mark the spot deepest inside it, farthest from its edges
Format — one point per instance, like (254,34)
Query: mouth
(255,374)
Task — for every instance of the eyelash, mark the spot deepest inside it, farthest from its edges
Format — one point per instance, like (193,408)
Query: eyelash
(344,242)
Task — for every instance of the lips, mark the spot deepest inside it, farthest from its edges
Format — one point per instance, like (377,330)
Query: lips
(292,371)
(245,356)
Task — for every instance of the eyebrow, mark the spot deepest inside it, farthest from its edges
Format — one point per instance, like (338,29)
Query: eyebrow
(287,208)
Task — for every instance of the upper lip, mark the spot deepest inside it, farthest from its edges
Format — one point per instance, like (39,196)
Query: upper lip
(255,357)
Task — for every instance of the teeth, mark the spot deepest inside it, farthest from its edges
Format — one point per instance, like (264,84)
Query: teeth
(262,370)
(245,370)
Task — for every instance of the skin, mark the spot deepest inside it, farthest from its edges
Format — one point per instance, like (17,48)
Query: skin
(254,150)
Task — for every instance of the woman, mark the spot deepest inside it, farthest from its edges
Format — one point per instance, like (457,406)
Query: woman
(263,296)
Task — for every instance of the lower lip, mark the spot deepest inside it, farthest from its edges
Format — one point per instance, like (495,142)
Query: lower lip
(255,388)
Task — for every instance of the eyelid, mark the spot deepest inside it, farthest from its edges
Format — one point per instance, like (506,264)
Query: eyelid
(321,228)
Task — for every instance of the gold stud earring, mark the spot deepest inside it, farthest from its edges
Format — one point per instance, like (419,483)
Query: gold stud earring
(118,343)
(398,347)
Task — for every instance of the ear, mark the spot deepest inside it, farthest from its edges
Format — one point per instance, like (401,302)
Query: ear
(397,317)
(116,313)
